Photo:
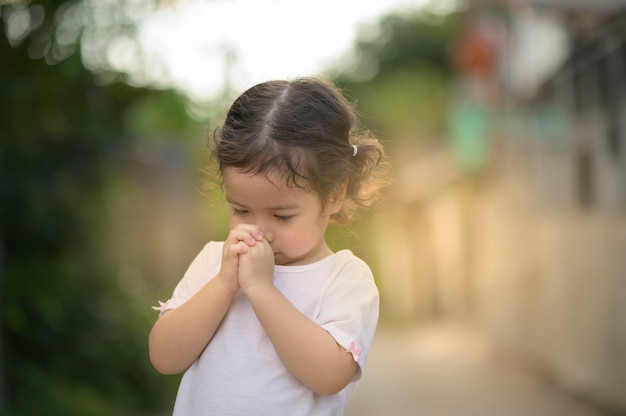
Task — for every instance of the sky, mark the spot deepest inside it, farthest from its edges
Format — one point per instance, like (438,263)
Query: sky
(264,39)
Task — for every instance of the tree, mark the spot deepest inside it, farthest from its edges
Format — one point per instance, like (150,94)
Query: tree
(71,343)
(400,75)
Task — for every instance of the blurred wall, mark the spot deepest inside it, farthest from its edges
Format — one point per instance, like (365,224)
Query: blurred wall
(161,215)
(528,241)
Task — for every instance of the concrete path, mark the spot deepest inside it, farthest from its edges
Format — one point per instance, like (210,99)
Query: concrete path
(447,371)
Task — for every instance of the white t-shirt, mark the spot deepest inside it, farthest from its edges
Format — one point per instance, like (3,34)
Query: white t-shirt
(240,373)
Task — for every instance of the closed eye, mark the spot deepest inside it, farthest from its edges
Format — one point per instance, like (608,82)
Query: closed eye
(283,218)
(237,211)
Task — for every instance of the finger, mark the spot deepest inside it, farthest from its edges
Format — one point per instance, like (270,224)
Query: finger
(237,235)
(262,249)
(243,247)
(236,249)
(266,244)
(252,229)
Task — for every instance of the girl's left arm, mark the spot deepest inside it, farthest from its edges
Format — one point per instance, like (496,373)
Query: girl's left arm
(309,352)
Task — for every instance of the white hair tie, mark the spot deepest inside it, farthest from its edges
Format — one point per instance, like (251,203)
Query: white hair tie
(356,150)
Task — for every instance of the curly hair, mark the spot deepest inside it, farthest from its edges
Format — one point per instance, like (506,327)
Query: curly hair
(307,133)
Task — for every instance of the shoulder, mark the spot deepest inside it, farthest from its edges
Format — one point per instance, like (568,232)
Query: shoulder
(349,261)
(209,258)
(202,269)
(351,272)
(212,248)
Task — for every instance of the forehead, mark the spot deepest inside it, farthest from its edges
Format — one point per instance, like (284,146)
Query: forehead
(263,191)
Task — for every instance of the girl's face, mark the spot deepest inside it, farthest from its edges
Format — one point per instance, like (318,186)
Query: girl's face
(292,220)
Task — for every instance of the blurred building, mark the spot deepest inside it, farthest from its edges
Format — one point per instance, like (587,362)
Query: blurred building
(519,226)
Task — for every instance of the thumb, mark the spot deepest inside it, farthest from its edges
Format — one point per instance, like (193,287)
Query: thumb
(233,250)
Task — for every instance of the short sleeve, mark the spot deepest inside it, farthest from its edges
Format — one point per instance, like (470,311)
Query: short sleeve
(350,309)
(202,269)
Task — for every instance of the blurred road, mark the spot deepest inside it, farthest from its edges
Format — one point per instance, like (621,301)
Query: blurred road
(448,371)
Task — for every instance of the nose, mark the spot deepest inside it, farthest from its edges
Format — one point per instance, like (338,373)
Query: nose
(268,234)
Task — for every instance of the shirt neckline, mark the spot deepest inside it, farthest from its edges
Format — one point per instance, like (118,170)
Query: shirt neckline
(304,267)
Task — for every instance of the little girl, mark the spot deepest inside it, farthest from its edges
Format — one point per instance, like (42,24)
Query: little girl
(271,321)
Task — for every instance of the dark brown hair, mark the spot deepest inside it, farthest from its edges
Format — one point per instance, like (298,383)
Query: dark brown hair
(303,131)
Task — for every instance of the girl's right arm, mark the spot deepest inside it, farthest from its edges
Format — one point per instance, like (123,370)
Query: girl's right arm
(180,335)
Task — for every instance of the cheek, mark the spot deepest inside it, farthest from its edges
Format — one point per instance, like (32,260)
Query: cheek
(302,237)
(234,221)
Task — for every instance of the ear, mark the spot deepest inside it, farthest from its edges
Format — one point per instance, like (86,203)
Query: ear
(336,200)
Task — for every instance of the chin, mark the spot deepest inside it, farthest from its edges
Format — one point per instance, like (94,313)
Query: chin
(281,260)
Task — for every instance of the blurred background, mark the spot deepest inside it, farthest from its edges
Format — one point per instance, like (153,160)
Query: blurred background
(505,121)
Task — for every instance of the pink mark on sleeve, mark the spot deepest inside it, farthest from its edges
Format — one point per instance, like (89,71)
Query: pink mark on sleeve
(162,306)
(355,350)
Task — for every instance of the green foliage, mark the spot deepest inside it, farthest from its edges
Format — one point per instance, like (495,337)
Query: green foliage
(401,77)
(407,40)
(408,105)
(145,117)
(72,342)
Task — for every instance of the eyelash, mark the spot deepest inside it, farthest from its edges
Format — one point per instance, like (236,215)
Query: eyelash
(280,218)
